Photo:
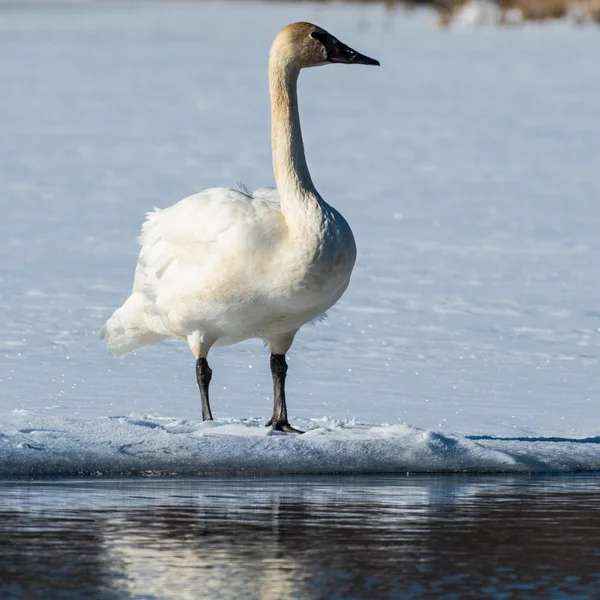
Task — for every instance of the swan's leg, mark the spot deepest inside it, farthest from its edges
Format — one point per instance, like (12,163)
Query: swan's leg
(204,375)
(200,344)
(279,346)
(279,420)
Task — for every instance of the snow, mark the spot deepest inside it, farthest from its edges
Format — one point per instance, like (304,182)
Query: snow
(466,165)
(36,445)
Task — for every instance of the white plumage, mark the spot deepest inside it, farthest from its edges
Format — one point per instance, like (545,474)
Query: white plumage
(222,266)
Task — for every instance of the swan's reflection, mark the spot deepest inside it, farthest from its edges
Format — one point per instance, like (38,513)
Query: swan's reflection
(193,553)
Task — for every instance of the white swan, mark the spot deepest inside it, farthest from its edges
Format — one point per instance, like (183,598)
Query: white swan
(224,265)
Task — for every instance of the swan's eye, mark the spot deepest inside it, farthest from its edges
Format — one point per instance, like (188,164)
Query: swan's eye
(317,35)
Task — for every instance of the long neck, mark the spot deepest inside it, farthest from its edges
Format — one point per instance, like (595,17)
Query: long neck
(294,184)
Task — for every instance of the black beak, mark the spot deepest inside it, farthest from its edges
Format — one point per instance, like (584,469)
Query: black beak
(337,52)
(344,54)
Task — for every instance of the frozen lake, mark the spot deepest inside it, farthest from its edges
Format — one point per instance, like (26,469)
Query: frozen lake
(467,166)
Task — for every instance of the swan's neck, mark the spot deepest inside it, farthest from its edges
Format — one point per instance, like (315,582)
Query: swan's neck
(296,189)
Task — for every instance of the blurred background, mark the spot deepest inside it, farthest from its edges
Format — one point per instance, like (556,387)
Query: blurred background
(508,12)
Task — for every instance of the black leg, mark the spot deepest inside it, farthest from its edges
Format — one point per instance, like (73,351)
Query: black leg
(204,375)
(279,420)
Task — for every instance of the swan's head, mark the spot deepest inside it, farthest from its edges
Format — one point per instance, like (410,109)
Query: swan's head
(307,45)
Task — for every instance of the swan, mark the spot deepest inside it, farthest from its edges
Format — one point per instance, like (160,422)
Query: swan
(224,265)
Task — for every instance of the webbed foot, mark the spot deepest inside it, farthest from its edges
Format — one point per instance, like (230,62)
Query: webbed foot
(282,426)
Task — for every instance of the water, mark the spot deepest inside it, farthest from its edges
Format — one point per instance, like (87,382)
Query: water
(371,537)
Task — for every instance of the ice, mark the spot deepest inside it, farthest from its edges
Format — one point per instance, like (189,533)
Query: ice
(36,445)
(467,166)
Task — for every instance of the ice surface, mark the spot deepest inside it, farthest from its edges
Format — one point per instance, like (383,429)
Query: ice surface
(35,445)
(467,166)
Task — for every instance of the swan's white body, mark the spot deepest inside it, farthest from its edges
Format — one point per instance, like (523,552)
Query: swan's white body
(223,266)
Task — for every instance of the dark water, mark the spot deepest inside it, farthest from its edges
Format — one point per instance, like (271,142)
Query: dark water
(374,537)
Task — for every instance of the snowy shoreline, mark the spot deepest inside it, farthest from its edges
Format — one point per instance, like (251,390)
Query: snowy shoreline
(39,445)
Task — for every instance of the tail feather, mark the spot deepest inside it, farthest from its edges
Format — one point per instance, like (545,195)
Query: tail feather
(127,330)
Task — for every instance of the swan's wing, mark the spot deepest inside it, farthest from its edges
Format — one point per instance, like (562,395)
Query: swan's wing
(266,194)
(186,245)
